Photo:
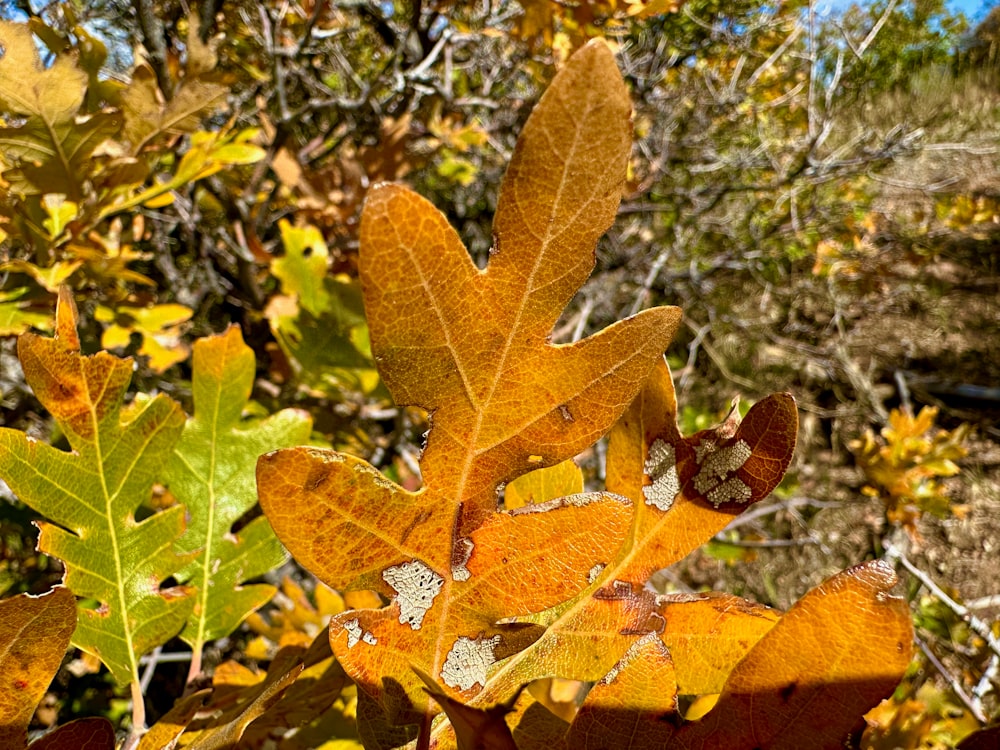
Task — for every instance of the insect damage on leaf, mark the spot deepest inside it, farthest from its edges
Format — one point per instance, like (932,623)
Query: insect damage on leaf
(460,556)
(714,480)
(468,661)
(356,634)
(661,468)
(646,452)
(416,586)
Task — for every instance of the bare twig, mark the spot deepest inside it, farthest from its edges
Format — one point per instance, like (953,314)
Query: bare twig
(767,543)
(868,40)
(776,55)
(699,335)
(985,602)
(980,627)
(988,682)
(154,41)
(956,687)
(151,660)
(760,511)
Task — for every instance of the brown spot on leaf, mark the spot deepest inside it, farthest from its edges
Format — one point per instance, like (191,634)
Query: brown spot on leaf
(318,475)
(788,691)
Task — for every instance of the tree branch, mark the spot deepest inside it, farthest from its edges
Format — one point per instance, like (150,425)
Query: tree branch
(154,40)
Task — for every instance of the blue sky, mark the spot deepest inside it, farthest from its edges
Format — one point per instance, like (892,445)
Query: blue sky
(975,10)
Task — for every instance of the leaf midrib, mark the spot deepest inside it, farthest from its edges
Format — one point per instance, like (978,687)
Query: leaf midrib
(109,501)
(474,452)
(210,532)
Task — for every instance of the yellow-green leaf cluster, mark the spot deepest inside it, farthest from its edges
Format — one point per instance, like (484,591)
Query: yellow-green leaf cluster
(903,465)
(77,151)
(319,319)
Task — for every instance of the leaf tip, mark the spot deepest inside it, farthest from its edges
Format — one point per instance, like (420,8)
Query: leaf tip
(67,318)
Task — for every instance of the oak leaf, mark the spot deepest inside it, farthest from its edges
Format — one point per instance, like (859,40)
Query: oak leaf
(472,347)
(34,636)
(16,316)
(475,728)
(211,472)
(115,562)
(49,150)
(148,116)
(904,462)
(845,644)
(542,485)
(633,705)
(684,490)
(304,690)
(226,730)
(319,321)
(91,733)
(158,328)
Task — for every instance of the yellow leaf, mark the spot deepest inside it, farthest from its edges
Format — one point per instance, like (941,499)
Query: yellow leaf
(51,278)
(35,632)
(544,484)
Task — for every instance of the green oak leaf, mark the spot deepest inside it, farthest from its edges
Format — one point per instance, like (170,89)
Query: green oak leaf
(90,495)
(212,473)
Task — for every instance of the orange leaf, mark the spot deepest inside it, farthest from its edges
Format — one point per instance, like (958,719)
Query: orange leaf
(514,568)
(707,634)
(34,635)
(634,705)
(544,484)
(164,733)
(670,480)
(836,653)
(534,727)
(475,728)
(473,347)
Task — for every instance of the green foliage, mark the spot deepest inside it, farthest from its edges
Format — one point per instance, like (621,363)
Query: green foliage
(902,467)
(319,320)
(94,496)
(84,152)
(91,496)
(212,474)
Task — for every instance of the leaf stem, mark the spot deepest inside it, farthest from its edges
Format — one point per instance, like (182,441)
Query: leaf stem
(195,668)
(138,716)
(424,735)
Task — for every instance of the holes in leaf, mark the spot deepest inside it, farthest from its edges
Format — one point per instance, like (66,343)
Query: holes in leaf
(416,586)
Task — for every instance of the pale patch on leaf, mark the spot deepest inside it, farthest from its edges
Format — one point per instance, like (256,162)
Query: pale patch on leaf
(416,586)
(468,662)
(661,468)
(733,490)
(356,634)
(719,464)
